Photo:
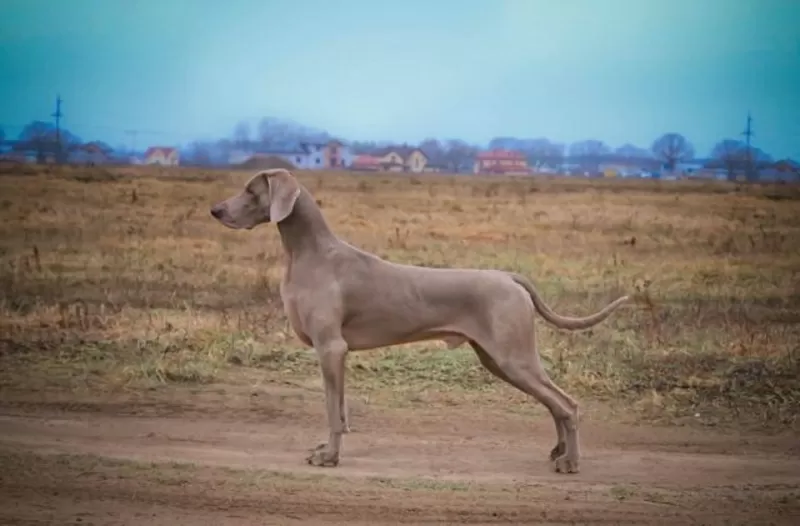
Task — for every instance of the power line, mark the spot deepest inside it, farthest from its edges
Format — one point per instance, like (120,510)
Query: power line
(100,127)
(132,134)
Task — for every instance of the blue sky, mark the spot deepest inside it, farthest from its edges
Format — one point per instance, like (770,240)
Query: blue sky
(617,70)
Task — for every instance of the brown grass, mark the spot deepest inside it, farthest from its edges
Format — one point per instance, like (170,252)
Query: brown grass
(119,278)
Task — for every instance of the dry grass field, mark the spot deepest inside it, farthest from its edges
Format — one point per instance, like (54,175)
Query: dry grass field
(145,358)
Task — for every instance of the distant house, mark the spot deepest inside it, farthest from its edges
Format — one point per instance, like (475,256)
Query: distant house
(91,153)
(366,163)
(436,167)
(788,165)
(786,170)
(402,159)
(7,152)
(18,152)
(570,168)
(681,170)
(503,162)
(336,155)
(616,170)
(9,155)
(710,173)
(162,155)
(32,156)
(687,168)
(544,168)
(302,155)
(628,167)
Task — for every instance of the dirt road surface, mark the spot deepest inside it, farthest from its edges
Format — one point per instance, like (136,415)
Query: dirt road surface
(227,457)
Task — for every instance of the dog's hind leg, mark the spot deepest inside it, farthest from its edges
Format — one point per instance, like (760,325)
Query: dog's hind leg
(523,371)
(493,368)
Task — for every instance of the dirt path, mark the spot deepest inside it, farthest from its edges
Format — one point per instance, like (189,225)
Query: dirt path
(459,465)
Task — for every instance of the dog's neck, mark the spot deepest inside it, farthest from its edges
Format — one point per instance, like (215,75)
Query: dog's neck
(305,230)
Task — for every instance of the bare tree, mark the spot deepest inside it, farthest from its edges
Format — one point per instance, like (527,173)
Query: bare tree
(199,153)
(433,149)
(591,148)
(541,151)
(42,138)
(271,131)
(732,154)
(241,134)
(588,155)
(672,148)
(630,151)
(504,143)
(274,132)
(459,155)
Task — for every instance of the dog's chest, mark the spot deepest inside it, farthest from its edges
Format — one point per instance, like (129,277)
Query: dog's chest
(290,307)
(296,323)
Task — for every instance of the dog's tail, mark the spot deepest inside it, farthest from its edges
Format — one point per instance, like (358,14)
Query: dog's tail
(565,322)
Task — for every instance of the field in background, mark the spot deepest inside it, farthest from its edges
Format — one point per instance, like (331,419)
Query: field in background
(116,286)
(110,282)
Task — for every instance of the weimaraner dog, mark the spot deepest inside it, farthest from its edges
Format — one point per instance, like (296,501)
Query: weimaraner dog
(339,298)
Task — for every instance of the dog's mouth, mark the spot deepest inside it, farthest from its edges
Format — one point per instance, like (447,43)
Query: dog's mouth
(226,221)
(225,218)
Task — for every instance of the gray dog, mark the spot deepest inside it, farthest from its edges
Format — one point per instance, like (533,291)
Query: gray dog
(339,298)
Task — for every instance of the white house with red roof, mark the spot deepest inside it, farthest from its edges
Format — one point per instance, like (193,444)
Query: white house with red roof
(503,162)
(162,155)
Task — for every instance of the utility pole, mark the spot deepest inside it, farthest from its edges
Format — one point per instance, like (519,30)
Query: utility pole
(132,134)
(748,133)
(57,115)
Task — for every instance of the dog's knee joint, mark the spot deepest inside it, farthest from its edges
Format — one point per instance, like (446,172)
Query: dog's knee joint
(335,349)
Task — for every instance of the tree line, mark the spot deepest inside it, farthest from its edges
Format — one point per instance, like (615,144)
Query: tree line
(271,134)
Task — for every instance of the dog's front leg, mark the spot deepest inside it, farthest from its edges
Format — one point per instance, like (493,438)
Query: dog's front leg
(331,355)
(345,414)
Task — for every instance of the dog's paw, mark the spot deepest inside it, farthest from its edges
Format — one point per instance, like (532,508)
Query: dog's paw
(322,457)
(566,465)
(558,450)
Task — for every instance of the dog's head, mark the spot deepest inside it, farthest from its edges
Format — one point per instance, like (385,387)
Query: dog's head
(269,195)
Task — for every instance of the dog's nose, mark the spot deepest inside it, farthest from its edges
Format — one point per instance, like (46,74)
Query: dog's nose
(216,212)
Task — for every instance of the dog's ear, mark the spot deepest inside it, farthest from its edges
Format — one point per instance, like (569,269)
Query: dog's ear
(283,193)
